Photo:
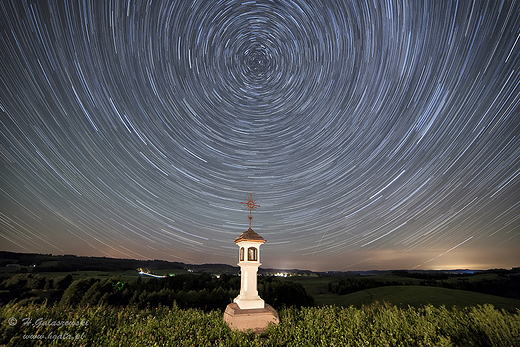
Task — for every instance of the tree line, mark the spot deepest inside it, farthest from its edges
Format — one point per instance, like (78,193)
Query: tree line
(204,291)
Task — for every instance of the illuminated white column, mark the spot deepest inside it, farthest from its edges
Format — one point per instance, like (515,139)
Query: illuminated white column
(249,261)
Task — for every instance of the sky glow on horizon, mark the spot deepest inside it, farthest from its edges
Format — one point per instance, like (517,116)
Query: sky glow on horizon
(373,136)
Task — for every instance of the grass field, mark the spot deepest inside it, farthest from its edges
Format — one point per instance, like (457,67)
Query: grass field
(405,315)
(418,296)
(413,295)
(374,325)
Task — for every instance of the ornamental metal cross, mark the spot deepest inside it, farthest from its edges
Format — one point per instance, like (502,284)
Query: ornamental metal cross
(250,205)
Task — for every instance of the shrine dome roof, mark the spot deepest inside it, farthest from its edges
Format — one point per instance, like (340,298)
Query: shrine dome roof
(249,235)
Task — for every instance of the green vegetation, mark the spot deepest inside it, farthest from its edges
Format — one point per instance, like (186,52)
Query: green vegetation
(374,325)
(502,283)
(418,296)
(123,308)
(404,290)
(202,291)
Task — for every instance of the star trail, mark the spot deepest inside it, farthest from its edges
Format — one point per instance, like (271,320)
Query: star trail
(373,134)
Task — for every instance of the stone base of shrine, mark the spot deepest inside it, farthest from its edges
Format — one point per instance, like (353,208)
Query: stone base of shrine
(255,319)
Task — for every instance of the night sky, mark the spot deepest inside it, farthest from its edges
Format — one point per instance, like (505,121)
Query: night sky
(373,135)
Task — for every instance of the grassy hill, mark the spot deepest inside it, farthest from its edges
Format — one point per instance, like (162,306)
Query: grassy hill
(418,296)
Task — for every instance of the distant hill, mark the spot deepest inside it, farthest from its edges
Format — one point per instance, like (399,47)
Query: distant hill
(71,263)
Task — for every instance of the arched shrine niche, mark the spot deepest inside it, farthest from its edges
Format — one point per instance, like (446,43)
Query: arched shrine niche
(252,254)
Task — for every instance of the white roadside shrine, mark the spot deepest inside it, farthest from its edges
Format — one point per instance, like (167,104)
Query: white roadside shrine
(248,310)
(249,261)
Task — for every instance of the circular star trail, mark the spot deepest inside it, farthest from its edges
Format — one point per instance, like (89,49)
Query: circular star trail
(373,135)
